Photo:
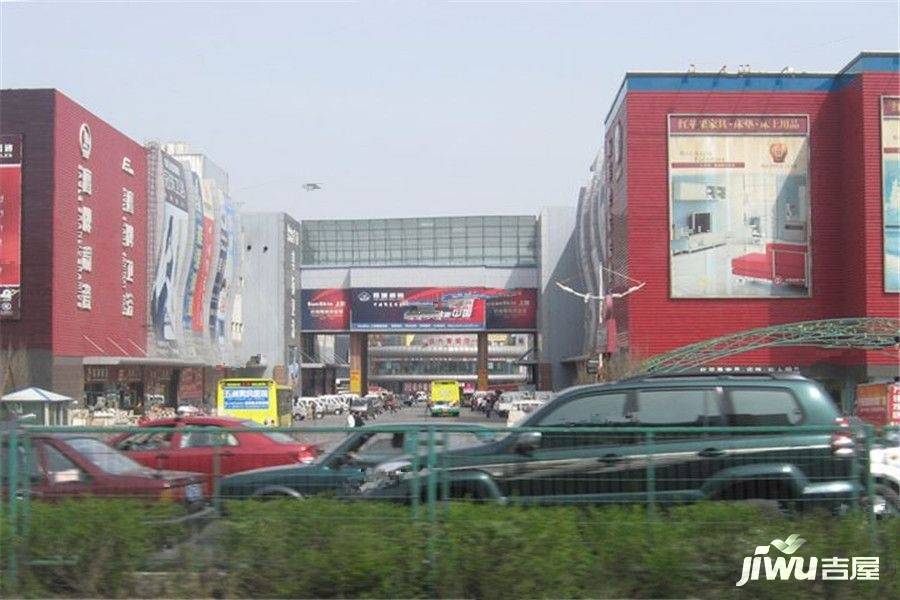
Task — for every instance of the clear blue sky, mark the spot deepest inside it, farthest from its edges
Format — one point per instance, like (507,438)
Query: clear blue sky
(402,108)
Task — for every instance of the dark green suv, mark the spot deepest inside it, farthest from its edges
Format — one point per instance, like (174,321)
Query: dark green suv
(666,439)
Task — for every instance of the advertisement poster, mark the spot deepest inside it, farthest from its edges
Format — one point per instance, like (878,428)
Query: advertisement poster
(196,254)
(175,235)
(408,309)
(890,168)
(247,397)
(325,309)
(10,226)
(512,309)
(206,254)
(457,309)
(216,319)
(739,206)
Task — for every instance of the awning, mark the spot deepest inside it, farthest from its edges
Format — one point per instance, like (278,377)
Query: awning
(141,361)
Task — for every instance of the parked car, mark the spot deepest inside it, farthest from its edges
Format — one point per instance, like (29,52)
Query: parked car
(357,459)
(195,450)
(791,466)
(66,465)
(884,463)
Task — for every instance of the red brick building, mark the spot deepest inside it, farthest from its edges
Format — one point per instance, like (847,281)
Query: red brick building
(755,199)
(83,243)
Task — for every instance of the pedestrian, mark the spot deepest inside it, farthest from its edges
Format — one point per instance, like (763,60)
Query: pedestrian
(489,406)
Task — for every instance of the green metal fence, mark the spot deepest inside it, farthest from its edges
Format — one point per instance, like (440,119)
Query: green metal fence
(427,475)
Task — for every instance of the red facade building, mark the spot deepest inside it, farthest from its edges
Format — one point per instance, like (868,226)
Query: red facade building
(83,243)
(755,199)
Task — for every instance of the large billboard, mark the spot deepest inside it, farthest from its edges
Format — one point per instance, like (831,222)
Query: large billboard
(890,182)
(739,206)
(440,308)
(10,226)
(325,309)
(175,236)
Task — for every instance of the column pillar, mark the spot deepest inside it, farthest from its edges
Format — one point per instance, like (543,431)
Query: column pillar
(481,362)
(359,363)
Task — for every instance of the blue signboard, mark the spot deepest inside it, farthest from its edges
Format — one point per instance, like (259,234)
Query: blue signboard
(246,398)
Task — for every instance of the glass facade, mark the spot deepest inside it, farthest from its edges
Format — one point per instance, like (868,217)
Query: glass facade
(491,241)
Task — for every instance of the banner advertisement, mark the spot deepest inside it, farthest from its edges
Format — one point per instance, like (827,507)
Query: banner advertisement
(196,254)
(10,226)
(206,252)
(216,319)
(175,236)
(246,397)
(739,206)
(890,189)
(512,309)
(190,385)
(325,309)
(456,309)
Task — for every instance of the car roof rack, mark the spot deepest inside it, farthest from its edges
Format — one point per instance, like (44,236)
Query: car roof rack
(736,375)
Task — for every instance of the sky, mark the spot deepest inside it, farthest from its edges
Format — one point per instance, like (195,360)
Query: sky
(402,108)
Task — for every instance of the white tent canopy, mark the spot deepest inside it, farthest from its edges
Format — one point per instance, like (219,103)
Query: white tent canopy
(34,394)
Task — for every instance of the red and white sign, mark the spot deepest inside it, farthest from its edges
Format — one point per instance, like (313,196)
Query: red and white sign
(878,403)
(10,226)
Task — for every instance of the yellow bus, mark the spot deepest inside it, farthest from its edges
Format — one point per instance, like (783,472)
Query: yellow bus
(444,398)
(260,400)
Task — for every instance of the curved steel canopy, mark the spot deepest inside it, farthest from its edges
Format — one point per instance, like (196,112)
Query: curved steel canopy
(864,333)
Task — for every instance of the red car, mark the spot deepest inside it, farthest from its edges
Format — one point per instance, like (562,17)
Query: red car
(195,450)
(80,465)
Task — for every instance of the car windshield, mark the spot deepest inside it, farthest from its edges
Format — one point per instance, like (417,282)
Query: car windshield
(360,402)
(276,436)
(103,457)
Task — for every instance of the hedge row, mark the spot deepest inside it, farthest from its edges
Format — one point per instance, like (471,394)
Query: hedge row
(332,549)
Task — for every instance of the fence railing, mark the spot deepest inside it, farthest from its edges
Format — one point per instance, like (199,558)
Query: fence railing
(200,473)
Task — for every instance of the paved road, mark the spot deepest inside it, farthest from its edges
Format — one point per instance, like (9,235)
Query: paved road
(404,415)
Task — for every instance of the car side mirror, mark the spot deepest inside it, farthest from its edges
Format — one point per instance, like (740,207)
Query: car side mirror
(528,442)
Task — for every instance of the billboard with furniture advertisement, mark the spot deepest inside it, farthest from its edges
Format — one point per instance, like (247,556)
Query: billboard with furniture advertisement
(890,182)
(739,206)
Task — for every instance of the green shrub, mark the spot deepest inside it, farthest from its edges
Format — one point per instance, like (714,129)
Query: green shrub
(95,543)
(325,548)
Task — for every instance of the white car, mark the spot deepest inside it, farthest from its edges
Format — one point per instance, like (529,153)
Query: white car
(521,409)
(884,464)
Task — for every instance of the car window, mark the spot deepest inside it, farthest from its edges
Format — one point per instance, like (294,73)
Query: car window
(147,441)
(382,444)
(678,408)
(599,410)
(104,457)
(764,407)
(208,437)
(276,436)
(56,460)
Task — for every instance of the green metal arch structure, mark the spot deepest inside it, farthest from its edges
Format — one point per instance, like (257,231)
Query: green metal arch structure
(865,333)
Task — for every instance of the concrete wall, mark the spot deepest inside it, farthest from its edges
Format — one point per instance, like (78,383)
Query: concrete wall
(264,287)
(560,314)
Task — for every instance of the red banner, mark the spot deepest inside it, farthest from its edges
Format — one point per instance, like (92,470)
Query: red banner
(202,275)
(10,226)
